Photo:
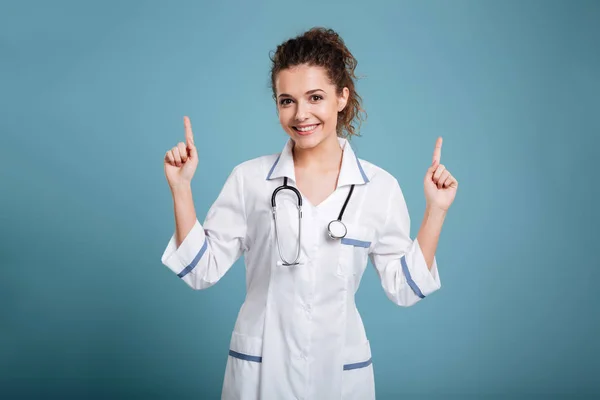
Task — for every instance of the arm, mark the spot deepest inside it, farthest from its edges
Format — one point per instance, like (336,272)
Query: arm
(400,262)
(206,252)
(440,190)
(202,255)
(429,233)
(408,270)
(185,213)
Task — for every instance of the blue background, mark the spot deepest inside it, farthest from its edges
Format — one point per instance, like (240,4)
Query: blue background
(92,94)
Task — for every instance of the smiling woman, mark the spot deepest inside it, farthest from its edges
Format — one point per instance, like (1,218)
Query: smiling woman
(299,333)
(325,49)
(309,117)
(312,79)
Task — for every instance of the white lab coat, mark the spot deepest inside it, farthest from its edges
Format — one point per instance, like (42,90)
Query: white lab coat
(299,334)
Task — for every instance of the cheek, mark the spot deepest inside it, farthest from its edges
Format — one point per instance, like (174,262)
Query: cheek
(327,113)
(283,116)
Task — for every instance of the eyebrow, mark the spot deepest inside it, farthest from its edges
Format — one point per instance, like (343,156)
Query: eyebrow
(309,92)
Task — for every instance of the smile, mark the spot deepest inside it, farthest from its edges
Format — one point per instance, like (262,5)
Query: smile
(306,129)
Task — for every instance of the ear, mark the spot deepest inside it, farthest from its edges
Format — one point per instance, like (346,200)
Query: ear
(343,99)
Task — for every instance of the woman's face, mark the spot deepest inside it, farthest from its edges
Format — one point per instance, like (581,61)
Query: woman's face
(308,105)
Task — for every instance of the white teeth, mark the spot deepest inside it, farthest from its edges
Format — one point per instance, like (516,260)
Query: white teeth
(307,128)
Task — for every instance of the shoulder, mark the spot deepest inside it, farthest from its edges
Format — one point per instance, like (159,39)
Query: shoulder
(256,168)
(377,175)
(382,186)
(384,196)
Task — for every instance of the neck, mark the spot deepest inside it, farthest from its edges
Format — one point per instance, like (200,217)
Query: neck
(326,156)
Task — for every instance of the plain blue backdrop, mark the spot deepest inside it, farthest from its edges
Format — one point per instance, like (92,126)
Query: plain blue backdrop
(92,94)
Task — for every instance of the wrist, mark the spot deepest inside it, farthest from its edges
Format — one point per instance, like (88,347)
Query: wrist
(181,189)
(432,211)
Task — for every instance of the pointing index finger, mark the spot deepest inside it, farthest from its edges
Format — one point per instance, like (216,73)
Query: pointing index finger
(437,152)
(189,136)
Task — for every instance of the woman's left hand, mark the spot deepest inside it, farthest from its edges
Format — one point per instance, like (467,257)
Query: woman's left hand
(440,185)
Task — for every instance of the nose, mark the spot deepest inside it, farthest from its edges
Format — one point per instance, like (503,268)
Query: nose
(301,111)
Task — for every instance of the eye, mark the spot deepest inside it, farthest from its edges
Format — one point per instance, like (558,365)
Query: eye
(283,102)
(316,97)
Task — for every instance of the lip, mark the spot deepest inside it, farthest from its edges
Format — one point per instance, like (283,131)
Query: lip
(307,132)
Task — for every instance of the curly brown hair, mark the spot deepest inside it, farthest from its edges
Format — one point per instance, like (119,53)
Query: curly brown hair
(325,48)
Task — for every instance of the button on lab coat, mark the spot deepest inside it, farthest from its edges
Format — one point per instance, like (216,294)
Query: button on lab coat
(298,334)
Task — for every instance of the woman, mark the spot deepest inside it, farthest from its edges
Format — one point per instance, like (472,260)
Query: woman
(298,333)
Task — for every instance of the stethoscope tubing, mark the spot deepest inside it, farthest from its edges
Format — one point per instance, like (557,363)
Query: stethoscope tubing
(299,206)
(274,211)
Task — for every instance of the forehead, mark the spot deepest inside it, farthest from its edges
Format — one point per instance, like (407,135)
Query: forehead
(299,79)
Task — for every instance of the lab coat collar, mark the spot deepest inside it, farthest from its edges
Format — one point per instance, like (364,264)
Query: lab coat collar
(351,172)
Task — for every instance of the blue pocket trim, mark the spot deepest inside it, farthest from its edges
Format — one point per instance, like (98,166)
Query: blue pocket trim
(355,242)
(245,356)
(194,262)
(358,365)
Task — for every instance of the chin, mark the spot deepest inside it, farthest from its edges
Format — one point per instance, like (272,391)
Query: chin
(307,142)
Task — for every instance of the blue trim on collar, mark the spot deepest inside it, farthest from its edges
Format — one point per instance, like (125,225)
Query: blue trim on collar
(273,167)
(362,172)
(360,168)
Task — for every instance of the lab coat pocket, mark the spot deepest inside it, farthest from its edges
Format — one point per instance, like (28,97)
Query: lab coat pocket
(358,380)
(242,372)
(354,250)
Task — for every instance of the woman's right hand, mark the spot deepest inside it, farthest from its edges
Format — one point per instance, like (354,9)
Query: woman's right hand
(181,161)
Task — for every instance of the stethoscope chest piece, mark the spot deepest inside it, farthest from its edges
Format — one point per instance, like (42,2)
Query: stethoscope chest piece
(336,229)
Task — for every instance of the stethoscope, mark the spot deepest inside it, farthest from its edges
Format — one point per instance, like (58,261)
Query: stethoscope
(336,228)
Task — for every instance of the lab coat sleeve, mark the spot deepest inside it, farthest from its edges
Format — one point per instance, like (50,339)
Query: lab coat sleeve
(209,251)
(398,260)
